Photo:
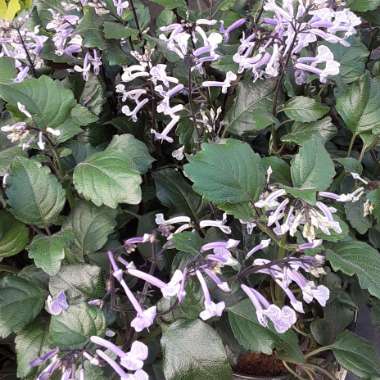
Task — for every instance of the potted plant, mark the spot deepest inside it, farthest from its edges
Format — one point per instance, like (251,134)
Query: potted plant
(188,192)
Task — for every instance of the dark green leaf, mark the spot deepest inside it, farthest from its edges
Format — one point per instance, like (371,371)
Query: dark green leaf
(360,259)
(108,178)
(90,29)
(80,282)
(352,60)
(229,172)
(49,251)
(20,303)
(31,342)
(176,193)
(189,242)
(193,350)
(90,226)
(302,132)
(73,328)
(301,108)
(34,194)
(363,5)
(8,70)
(359,105)
(312,167)
(14,235)
(135,151)
(252,109)
(356,355)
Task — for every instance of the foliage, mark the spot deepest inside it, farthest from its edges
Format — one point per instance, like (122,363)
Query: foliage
(184,184)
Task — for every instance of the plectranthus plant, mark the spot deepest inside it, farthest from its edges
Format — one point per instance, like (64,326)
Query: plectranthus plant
(189,189)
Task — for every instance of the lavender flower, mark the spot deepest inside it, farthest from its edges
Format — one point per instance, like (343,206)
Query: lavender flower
(263,244)
(144,318)
(216,223)
(58,304)
(169,289)
(132,360)
(282,318)
(221,252)
(230,77)
(235,25)
(212,309)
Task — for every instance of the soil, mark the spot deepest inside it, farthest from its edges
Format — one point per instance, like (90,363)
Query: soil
(259,365)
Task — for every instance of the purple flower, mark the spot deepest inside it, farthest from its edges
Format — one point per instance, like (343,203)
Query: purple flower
(282,318)
(56,305)
(263,244)
(132,360)
(235,25)
(131,243)
(222,285)
(169,289)
(230,77)
(120,6)
(212,309)
(144,318)
(221,252)
(43,358)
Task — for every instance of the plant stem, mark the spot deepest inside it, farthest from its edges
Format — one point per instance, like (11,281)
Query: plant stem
(317,351)
(353,138)
(136,19)
(319,369)
(362,152)
(31,64)
(289,369)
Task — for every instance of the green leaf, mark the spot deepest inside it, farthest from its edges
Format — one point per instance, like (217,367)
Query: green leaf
(302,132)
(8,70)
(93,96)
(356,355)
(326,329)
(176,193)
(308,195)
(89,29)
(312,167)
(80,282)
(108,178)
(189,309)
(359,105)
(193,350)
(8,153)
(20,303)
(189,242)
(229,172)
(47,100)
(31,342)
(34,194)
(350,164)
(360,259)
(254,337)
(363,5)
(301,108)
(352,60)
(73,328)
(252,108)
(14,235)
(280,169)
(90,226)
(171,4)
(135,151)
(49,251)
(114,30)
(374,198)
(355,216)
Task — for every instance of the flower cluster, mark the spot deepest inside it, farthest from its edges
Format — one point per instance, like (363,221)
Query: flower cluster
(22,134)
(163,86)
(23,45)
